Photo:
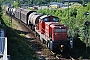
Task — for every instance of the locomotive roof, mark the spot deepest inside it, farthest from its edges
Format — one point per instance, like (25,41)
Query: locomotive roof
(49,23)
(58,26)
(55,25)
(44,16)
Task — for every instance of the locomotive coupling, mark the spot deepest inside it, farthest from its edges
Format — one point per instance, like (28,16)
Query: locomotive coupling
(61,48)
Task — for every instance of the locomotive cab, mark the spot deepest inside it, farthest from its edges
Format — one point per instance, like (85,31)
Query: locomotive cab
(46,18)
(59,32)
(59,36)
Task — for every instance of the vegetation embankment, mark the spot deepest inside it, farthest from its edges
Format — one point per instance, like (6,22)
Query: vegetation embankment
(75,23)
(18,47)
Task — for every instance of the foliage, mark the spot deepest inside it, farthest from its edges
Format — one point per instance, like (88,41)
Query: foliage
(0,15)
(18,47)
(35,2)
(15,4)
(84,1)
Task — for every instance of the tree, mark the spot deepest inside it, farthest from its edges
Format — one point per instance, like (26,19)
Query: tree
(0,13)
(15,4)
(85,1)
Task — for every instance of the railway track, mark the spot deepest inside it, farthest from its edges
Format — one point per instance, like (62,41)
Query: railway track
(42,52)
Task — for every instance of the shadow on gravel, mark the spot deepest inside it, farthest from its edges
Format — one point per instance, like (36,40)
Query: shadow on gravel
(21,32)
(34,42)
(30,39)
(38,48)
(25,33)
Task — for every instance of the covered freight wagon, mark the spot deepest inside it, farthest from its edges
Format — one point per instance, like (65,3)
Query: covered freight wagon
(33,18)
(25,14)
(18,13)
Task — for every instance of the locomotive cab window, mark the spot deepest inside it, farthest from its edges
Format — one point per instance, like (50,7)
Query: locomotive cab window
(59,30)
(46,19)
(55,19)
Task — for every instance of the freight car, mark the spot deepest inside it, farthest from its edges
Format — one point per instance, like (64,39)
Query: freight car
(33,20)
(46,27)
(10,11)
(7,10)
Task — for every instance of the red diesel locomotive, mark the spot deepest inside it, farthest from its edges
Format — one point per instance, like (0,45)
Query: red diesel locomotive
(46,27)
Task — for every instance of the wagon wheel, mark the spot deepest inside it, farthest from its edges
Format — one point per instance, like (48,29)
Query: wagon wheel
(35,34)
(48,45)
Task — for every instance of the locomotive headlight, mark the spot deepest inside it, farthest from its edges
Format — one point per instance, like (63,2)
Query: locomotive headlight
(60,27)
(55,33)
(70,40)
(62,46)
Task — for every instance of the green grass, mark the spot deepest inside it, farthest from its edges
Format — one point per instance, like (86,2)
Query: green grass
(18,47)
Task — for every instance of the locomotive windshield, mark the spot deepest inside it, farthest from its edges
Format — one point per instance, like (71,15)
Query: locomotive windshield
(55,19)
(59,30)
(46,19)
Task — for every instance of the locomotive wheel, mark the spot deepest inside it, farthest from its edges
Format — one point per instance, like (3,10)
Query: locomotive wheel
(35,34)
(38,37)
(44,41)
(41,39)
(48,45)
